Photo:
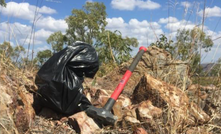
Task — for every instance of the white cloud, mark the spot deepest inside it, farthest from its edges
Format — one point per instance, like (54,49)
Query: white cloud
(43,48)
(211,12)
(147,4)
(212,56)
(27,41)
(40,37)
(46,10)
(123,4)
(89,0)
(14,30)
(50,23)
(186,4)
(168,20)
(131,4)
(21,33)
(42,34)
(179,25)
(24,10)
(138,29)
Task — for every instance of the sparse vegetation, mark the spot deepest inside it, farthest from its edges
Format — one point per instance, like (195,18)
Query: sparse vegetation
(89,25)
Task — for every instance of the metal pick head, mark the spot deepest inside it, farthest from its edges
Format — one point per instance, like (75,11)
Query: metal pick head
(101,115)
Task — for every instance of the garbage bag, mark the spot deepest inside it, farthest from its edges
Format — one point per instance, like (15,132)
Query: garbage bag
(60,79)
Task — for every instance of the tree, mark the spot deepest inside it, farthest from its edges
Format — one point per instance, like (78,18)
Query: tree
(6,49)
(186,47)
(43,56)
(17,52)
(112,47)
(188,44)
(57,41)
(216,70)
(163,43)
(86,24)
(2,3)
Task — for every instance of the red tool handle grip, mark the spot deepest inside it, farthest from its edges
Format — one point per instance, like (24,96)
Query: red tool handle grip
(128,73)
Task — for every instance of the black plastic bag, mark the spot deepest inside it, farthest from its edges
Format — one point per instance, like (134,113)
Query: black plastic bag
(60,79)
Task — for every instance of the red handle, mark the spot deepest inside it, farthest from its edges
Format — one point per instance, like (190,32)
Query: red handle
(143,48)
(121,85)
(128,73)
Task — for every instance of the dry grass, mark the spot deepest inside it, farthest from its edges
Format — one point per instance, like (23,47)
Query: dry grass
(206,81)
(169,123)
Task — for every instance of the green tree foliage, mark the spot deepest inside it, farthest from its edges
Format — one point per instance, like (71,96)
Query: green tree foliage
(57,41)
(17,52)
(188,46)
(165,44)
(13,54)
(2,3)
(189,42)
(43,56)
(6,49)
(112,47)
(85,24)
(88,25)
(216,70)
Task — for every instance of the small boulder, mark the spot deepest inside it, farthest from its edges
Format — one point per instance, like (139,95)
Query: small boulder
(82,123)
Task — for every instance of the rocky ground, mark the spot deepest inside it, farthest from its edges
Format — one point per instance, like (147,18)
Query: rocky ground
(159,98)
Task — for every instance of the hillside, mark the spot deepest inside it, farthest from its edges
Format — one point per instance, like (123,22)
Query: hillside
(159,98)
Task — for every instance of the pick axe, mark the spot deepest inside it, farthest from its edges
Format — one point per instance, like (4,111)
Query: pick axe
(104,114)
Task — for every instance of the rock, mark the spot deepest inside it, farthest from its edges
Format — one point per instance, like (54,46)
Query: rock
(64,119)
(163,95)
(58,123)
(147,111)
(118,110)
(15,108)
(131,120)
(194,87)
(197,130)
(46,126)
(156,62)
(198,113)
(48,113)
(101,96)
(102,100)
(82,123)
(140,131)
(208,98)
(172,95)
(159,93)
(6,118)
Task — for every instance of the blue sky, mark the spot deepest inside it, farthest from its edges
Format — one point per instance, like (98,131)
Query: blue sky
(142,19)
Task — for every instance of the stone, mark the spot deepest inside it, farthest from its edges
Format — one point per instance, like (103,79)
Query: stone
(147,111)
(15,108)
(131,120)
(162,95)
(198,113)
(156,62)
(82,123)
(140,131)
(197,130)
(49,113)
(58,123)
(64,119)
(101,97)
